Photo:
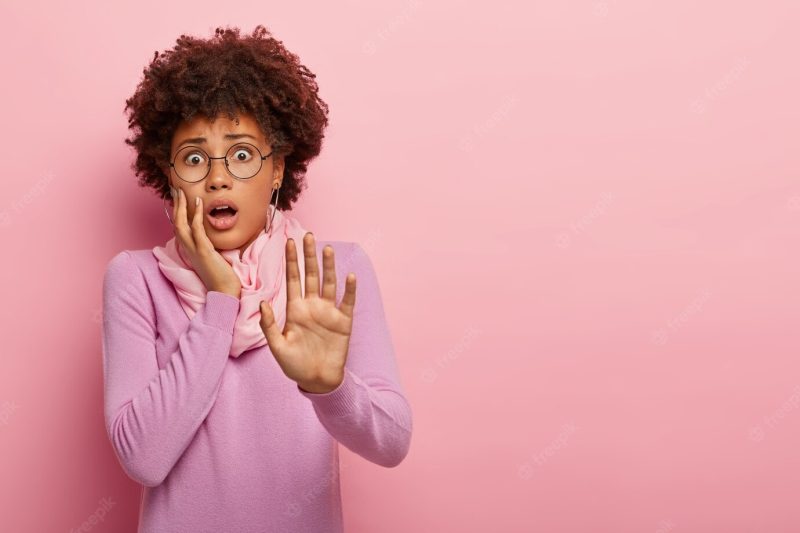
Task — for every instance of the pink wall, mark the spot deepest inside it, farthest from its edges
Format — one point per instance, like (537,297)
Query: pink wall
(585,217)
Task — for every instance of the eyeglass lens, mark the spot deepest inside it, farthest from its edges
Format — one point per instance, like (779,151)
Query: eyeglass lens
(243,161)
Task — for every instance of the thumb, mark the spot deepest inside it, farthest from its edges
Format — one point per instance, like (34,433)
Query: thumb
(269,326)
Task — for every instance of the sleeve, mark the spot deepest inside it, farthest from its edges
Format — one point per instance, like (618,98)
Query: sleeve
(152,414)
(368,412)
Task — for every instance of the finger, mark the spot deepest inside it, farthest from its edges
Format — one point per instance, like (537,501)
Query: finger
(174,195)
(201,239)
(270,327)
(181,224)
(292,272)
(312,268)
(349,298)
(328,274)
(204,238)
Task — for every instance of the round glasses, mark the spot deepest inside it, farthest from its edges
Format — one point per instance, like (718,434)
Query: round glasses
(193,164)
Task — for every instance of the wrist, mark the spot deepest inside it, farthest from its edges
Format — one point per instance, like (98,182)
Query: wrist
(318,387)
(314,389)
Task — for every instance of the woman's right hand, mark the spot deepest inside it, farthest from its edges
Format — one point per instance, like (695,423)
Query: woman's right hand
(215,272)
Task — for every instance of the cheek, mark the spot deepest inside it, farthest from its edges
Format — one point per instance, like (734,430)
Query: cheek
(254,212)
(253,204)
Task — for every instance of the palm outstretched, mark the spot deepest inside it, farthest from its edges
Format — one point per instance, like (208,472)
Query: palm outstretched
(312,348)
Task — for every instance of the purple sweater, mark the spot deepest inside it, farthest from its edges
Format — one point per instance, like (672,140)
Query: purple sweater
(224,444)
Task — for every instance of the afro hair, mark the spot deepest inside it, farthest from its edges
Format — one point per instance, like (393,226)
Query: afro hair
(227,74)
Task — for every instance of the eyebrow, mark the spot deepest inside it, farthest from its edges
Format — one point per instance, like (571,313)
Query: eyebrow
(202,140)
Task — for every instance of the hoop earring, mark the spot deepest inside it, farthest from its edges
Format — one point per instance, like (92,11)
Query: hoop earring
(172,191)
(274,208)
(164,201)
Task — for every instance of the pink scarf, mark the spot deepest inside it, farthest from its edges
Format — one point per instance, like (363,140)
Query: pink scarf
(262,271)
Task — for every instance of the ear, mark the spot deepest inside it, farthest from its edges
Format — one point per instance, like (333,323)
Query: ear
(277,173)
(165,169)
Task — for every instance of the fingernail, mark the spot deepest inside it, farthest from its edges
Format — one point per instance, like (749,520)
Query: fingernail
(196,200)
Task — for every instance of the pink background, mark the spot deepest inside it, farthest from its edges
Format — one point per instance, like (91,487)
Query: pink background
(584,216)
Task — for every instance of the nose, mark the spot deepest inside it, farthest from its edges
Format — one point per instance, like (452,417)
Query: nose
(218,176)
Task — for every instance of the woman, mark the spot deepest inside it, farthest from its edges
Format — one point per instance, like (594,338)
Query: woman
(229,377)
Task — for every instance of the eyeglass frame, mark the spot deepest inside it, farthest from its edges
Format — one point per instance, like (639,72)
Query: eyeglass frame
(225,157)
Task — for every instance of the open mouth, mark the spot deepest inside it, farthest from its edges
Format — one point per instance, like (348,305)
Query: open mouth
(222,217)
(222,212)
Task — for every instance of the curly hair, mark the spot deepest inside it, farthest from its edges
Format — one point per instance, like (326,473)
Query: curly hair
(227,74)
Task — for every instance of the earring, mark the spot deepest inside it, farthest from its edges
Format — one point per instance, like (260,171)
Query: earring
(274,208)
(164,202)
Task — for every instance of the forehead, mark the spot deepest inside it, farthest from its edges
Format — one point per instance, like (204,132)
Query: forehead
(214,129)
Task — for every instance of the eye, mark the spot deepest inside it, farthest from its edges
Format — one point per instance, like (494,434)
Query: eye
(194,158)
(242,154)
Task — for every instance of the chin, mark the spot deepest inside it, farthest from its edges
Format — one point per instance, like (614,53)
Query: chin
(236,234)
(232,239)
(229,240)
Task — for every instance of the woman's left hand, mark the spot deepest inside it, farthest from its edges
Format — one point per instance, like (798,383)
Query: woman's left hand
(312,349)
